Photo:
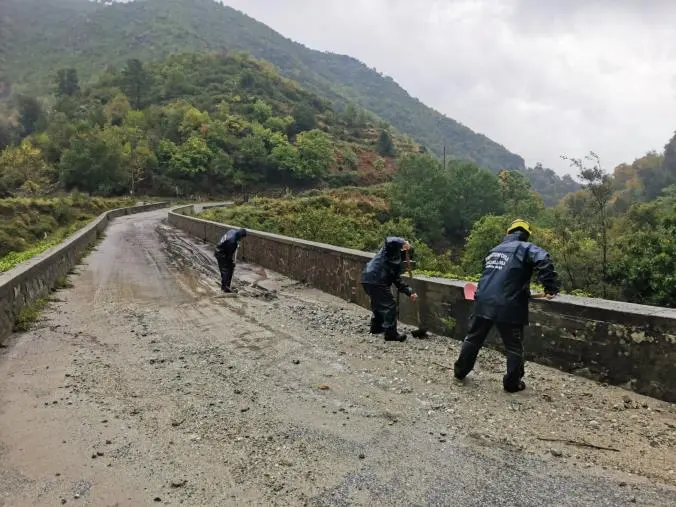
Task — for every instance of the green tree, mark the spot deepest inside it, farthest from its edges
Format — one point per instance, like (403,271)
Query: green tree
(316,154)
(95,162)
(261,111)
(304,118)
(116,110)
(279,124)
(67,83)
(30,114)
(385,146)
(252,153)
(350,160)
(136,82)
(142,162)
(645,265)
(471,193)
(285,156)
(669,163)
(487,232)
(8,133)
(419,190)
(518,196)
(190,159)
(600,187)
(23,165)
(350,115)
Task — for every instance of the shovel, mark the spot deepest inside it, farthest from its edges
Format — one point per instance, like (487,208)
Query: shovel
(420,332)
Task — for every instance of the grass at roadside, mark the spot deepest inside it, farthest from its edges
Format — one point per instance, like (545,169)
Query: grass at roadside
(29,226)
(28,315)
(12,259)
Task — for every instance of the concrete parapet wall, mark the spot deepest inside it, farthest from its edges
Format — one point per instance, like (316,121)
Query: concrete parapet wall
(33,279)
(619,343)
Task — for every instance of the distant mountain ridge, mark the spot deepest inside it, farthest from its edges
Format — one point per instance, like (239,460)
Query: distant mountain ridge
(45,36)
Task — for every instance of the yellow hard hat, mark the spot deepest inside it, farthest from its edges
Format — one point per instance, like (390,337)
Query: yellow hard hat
(519,223)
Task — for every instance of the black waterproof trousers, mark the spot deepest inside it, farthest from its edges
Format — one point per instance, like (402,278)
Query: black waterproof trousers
(512,337)
(226,266)
(383,307)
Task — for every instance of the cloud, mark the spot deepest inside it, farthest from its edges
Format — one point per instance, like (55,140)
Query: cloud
(543,78)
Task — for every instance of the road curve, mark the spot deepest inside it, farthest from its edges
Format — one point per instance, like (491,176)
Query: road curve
(139,386)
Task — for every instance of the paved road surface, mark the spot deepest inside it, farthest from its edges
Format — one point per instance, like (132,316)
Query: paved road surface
(140,387)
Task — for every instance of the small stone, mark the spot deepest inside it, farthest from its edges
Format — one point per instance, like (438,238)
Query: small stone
(157,499)
(99,453)
(178,483)
(443,433)
(622,484)
(245,409)
(296,361)
(76,495)
(556,452)
(104,421)
(57,474)
(237,391)
(94,456)
(626,399)
(594,424)
(324,387)
(63,501)
(362,456)
(108,442)
(632,499)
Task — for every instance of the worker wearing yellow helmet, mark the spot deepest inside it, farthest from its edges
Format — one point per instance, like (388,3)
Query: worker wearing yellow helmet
(501,299)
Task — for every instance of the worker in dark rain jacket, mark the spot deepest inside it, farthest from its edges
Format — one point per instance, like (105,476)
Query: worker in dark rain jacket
(377,278)
(226,252)
(501,299)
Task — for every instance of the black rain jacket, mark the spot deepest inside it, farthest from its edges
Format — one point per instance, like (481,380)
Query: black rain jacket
(387,266)
(503,291)
(229,243)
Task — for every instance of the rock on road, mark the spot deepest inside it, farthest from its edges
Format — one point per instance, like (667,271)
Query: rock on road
(139,386)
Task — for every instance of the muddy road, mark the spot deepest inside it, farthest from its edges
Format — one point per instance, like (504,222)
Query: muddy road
(140,386)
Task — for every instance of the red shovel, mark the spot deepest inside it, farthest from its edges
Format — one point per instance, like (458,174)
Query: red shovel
(470,289)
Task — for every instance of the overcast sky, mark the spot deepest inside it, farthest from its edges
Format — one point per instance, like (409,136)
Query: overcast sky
(541,77)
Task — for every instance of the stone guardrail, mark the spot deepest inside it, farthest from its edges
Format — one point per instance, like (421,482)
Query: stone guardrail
(33,279)
(619,343)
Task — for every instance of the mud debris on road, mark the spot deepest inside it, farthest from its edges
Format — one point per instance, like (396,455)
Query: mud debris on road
(140,387)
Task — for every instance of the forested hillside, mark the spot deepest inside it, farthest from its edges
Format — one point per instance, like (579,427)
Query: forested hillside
(42,37)
(611,239)
(191,124)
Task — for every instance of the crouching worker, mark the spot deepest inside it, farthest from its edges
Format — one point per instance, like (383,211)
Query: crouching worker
(226,253)
(377,278)
(501,299)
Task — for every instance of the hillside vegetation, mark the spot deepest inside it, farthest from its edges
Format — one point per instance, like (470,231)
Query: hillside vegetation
(43,37)
(31,226)
(192,124)
(610,239)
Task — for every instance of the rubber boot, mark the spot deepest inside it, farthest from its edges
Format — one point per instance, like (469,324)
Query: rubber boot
(376,328)
(391,335)
(516,388)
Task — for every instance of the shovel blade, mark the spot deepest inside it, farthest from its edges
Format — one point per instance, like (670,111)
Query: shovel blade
(470,290)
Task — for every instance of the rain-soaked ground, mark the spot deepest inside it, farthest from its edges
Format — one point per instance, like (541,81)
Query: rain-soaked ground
(140,386)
